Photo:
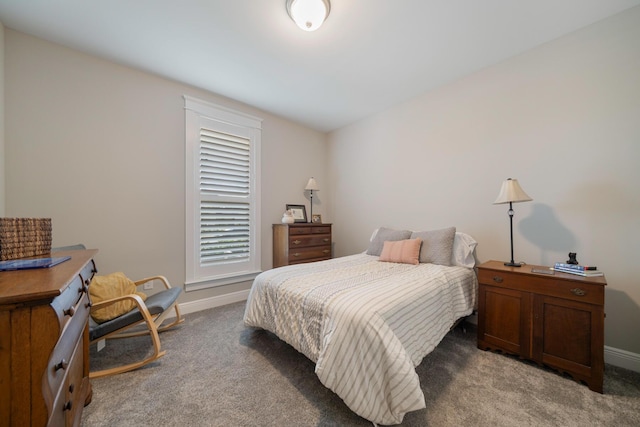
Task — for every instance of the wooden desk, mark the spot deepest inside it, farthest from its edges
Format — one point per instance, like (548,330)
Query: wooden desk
(44,343)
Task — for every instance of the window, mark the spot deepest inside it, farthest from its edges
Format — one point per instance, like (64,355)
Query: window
(222,195)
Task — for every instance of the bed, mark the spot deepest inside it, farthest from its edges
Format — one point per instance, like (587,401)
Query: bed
(366,324)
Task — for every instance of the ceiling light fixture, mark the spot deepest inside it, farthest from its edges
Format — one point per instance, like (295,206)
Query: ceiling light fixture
(308,14)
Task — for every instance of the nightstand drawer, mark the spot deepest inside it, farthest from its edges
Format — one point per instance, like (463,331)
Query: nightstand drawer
(577,291)
(558,285)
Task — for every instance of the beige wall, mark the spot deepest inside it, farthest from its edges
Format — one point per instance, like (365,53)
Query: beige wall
(564,119)
(99,148)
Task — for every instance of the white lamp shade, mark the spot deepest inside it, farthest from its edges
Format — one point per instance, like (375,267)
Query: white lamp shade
(312,185)
(308,14)
(511,192)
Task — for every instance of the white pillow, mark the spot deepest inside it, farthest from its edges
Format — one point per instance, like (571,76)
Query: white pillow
(464,247)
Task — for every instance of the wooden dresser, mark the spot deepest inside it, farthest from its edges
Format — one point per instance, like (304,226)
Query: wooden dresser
(300,242)
(556,320)
(44,343)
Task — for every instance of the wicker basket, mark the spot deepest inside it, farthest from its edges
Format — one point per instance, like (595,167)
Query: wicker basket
(24,237)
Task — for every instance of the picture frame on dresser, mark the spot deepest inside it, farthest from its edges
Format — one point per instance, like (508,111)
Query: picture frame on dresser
(316,219)
(299,212)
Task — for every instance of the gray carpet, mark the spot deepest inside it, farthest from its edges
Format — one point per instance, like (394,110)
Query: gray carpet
(219,373)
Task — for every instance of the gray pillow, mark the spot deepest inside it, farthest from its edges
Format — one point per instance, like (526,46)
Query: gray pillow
(437,245)
(386,234)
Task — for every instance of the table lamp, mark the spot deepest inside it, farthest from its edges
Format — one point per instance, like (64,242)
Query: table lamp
(312,186)
(511,192)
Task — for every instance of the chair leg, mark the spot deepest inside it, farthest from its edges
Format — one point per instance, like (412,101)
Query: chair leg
(158,322)
(179,319)
(126,368)
(153,331)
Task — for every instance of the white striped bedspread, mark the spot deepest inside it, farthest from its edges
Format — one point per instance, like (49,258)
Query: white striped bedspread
(366,324)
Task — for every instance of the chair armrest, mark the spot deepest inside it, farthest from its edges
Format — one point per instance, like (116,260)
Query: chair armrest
(136,298)
(162,279)
(105,303)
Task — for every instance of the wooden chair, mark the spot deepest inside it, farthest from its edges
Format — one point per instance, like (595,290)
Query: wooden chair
(152,312)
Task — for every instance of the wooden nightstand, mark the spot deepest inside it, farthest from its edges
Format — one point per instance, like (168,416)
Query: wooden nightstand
(556,320)
(301,242)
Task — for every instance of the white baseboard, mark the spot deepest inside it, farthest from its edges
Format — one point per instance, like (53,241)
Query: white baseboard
(613,356)
(206,303)
(622,358)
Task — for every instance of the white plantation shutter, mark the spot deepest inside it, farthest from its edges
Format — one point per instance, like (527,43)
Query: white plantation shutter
(225,220)
(222,194)
(224,232)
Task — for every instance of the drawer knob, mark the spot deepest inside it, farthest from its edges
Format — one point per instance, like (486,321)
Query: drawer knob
(61,365)
(326,251)
(297,242)
(296,254)
(70,312)
(497,279)
(579,292)
(326,239)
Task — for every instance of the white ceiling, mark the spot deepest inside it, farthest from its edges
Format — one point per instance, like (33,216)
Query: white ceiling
(368,56)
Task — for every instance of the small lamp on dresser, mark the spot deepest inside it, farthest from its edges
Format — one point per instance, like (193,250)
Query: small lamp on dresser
(312,186)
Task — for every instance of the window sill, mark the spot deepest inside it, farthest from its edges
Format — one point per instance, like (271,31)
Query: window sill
(206,283)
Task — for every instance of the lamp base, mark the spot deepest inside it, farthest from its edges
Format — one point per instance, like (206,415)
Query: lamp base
(512,264)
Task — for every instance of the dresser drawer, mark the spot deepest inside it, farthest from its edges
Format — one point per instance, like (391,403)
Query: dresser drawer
(572,288)
(305,254)
(66,304)
(69,397)
(309,240)
(311,229)
(88,272)
(59,362)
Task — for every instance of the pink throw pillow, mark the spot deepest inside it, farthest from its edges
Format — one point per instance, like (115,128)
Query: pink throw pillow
(402,251)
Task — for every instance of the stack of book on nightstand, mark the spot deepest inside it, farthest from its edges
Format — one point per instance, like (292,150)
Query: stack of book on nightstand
(580,270)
